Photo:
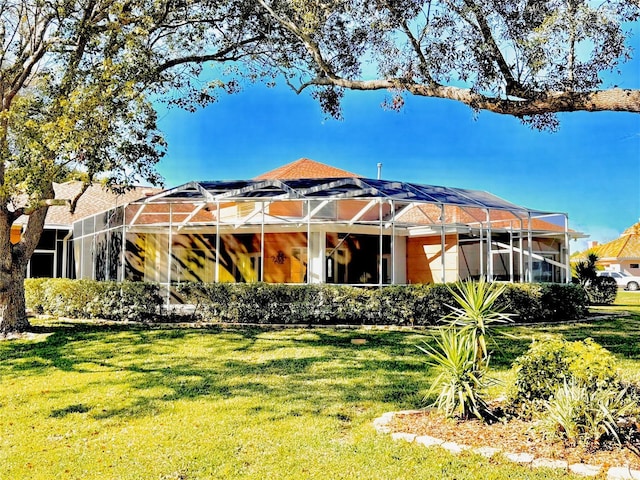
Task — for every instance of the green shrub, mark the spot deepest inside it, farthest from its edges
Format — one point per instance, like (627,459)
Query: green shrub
(396,304)
(602,291)
(281,303)
(34,294)
(563,301)
(461,356)
(524,301)
(342,304)
(544,302)
(135,301)
(431,303)
(70,298)
(475,310)
(549,363)
(92,299)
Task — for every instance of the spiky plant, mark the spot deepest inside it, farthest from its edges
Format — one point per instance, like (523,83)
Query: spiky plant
(476,311)
(461,382)
(579,414)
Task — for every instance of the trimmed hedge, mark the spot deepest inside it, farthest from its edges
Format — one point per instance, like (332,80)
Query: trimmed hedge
(392,305)
(316,304)
(544,302)
(602,290)
(63,297)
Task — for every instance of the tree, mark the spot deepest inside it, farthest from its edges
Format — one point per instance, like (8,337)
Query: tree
(526,58)
(586,270)
(76,83)
(77,78)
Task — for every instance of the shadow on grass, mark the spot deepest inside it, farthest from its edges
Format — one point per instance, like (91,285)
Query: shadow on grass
(75,408)
(310,370)
(306,370)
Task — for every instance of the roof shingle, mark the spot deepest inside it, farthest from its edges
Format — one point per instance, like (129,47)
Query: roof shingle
(95,200)
(626,246)
(305,168)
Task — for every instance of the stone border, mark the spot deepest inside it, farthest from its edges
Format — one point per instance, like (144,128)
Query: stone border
(381,425)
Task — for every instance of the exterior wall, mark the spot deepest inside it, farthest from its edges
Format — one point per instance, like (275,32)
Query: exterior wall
(193,258)
(16,233)
(347,209)
(400,260)
(286,209)
(424,259)
(285,257)
(630,266)
(344,209)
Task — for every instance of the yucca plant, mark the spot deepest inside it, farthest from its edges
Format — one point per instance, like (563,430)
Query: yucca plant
(461,382)
(582,415)
(476,312)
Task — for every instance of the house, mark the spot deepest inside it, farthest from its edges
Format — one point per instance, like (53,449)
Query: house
(54,256)
(621,254)
(308,222)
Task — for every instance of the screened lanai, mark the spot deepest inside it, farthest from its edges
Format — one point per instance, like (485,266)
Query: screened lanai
(355,231)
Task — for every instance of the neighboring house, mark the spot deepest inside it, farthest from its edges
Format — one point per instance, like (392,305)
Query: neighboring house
(307,222)
(54,256)
(620,255)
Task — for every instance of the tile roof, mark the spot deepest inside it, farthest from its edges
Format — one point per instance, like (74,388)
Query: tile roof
(626,246)
(95,200)
(305,168)
(428,213)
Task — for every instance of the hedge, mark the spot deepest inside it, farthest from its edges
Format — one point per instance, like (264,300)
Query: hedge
(602,290)
(263,303)
(391,305)
(137,301)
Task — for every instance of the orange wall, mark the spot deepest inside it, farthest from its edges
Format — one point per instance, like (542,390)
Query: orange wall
(15,234)
(424,259)
(280,266)
(286,209)
(347,209)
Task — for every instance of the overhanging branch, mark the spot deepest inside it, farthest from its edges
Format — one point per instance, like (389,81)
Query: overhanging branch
(617,100)
(220,55)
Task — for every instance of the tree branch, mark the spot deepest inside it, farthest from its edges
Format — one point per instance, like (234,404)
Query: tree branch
(74,202)
(513,87)
(30,210)
(217,56)
(309,44)
(617,100)
(415,43)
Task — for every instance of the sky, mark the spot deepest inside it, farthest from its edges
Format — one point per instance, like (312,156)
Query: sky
(589,169)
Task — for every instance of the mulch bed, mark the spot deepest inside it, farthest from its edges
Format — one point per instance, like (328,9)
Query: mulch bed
(514,436)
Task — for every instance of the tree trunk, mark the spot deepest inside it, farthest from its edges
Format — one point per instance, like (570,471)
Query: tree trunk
(13,316)
(13,265)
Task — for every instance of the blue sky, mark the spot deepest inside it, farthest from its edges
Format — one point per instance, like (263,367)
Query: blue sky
(589,169)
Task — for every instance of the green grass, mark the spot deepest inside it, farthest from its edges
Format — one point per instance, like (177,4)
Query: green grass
(83,401)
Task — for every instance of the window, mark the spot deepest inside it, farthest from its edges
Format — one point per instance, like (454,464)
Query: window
(634,265)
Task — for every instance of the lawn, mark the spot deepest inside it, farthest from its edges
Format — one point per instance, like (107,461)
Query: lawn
(85,401)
